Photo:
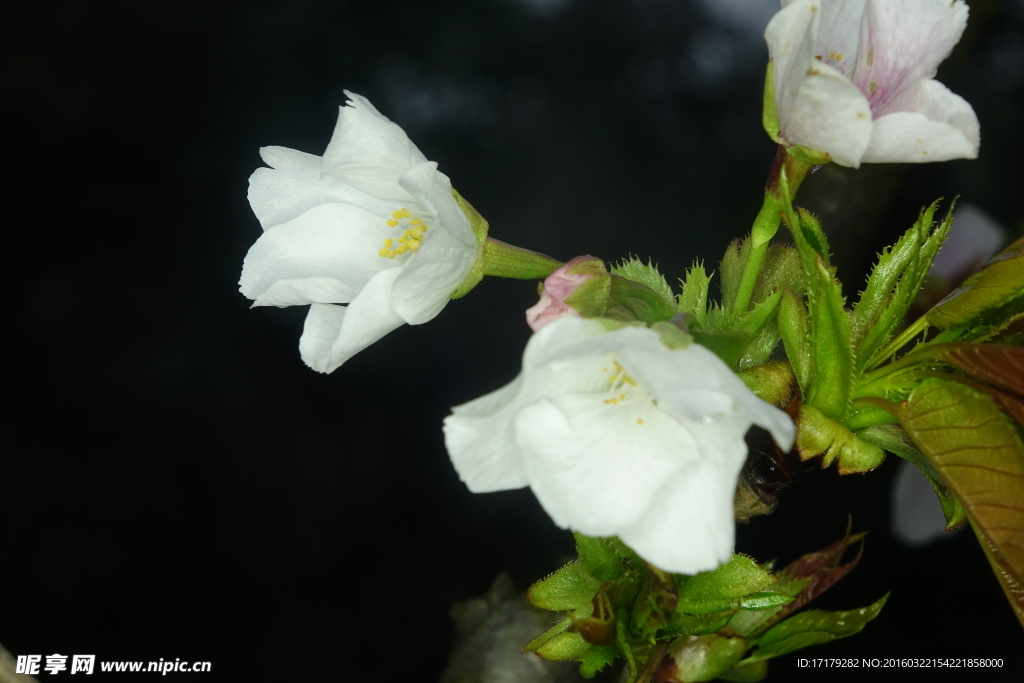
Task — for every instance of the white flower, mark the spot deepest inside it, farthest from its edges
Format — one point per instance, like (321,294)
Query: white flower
(372,224)
(618,434)
(854,78)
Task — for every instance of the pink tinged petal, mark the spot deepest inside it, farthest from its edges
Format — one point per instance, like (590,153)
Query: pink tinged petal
(903,43)
(448,249)
(839,34)
(326,255)
(369,151)
(592,466)
(480,438)
(548,310)
(937,126)
(333,334)
(689,527)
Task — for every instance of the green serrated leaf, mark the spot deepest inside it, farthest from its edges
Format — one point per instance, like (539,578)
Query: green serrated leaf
(563,647)
(680,624)
(764,600)
(733,262)
(694,299)
(831,349)
(794,328)
(811,628)
(893,438)
(543,638)
(646,274)
(655,602)
(722,588)
(893,263)
(779,270)
(996,284)
(598,557)
(817,434)
(748,673)
(701,658)
(597,658)
(978,453)
(569,588)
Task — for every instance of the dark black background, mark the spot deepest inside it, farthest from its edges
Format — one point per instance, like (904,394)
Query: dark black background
(174,482)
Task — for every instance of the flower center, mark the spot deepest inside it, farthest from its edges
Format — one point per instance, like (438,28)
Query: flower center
(413,230)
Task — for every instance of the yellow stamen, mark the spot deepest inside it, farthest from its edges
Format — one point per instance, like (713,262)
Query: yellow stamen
(384,252)
(389,243)
(397,214)
(639,421)
(414,244)
(392,223)
(415,221)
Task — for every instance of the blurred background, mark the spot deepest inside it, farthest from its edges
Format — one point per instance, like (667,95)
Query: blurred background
(175,483)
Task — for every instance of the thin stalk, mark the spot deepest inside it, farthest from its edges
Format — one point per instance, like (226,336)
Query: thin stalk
(768,220)
(919,326)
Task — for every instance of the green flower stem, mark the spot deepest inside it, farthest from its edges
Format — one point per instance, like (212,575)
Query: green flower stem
(504,260)
(768,219)
(919,326)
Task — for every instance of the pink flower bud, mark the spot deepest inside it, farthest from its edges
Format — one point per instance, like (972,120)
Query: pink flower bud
(558,287)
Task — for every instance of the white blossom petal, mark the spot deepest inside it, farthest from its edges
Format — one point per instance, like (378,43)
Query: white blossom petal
(368,151)
(829,114)
(277,197)
(689,527)
(326,255)
(333,334)
(292,162)
(592,465)
(790,36)
(480,438)
(605,452)
(448,251)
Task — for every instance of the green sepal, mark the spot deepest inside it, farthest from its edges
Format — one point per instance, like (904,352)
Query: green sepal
(812,627)
(722,588)
(811,157)
(998,283)
(893,438)
(794,328)
(569,588)
(731,336)
(817,434)
(612,296)
(477,222)
(769,117)
(702,658)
